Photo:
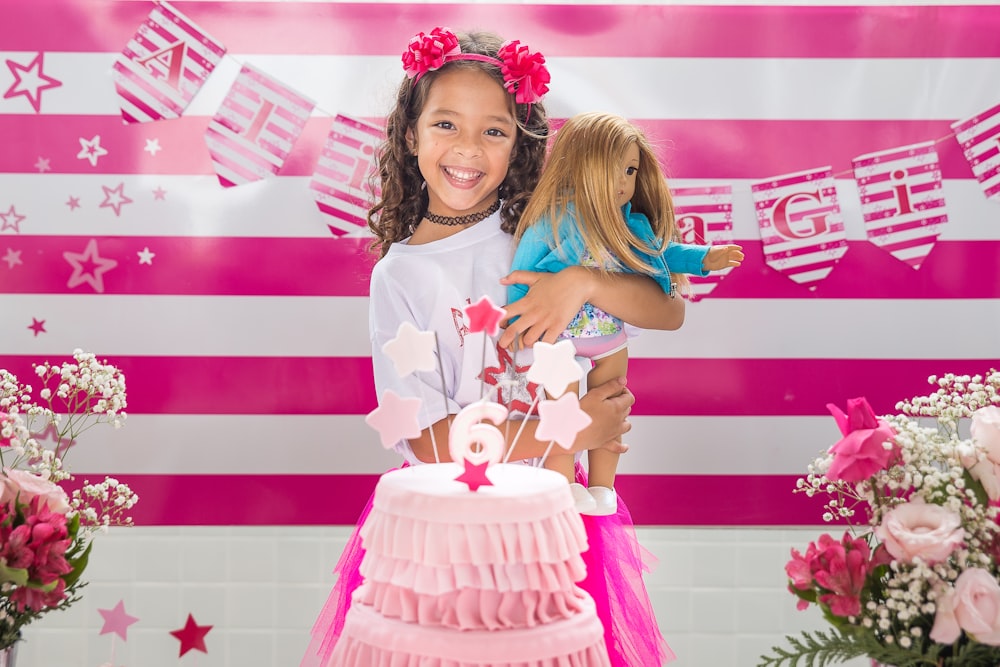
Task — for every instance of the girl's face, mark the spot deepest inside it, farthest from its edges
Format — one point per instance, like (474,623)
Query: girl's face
(463,140)
(626,175)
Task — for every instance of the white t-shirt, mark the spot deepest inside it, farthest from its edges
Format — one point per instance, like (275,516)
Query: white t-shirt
(429,286)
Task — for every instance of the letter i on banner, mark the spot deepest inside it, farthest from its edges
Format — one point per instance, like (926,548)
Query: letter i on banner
(979,138)
(704,216)
(340,183)
(163,66)
(801,226)
(901,200)
(252,133)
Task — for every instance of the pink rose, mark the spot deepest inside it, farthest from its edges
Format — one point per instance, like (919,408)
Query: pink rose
(972,605)
(24,486)
(985,431)
(866,446)
(918,530)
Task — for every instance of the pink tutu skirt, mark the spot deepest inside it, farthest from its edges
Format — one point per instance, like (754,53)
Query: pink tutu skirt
(615,565)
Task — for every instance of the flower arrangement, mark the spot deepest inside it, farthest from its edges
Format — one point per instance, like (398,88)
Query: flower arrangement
(916,582)
(45,532)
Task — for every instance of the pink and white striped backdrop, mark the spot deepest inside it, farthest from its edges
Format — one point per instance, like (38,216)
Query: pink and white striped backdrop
(239,313)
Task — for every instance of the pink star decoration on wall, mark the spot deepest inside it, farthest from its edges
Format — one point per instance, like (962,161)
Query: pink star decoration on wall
(561,420)
(31,85)
(475,475)
(555,366)
(395,418)
(38,326)
(192,636)
(88,267)
(483,315)
(117,621)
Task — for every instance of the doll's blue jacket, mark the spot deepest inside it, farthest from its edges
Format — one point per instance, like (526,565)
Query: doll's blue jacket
(537,251)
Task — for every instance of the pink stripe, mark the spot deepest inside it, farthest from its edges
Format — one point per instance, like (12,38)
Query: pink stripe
(344,385)
(196,33)
(557,30)
(715,149)
(331,267)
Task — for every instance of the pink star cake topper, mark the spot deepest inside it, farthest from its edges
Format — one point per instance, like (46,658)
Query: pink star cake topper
(561,420)
(555,366)
(411,350)
(475,475)
(192,636)
(117,621)
(395,418)
(483,315)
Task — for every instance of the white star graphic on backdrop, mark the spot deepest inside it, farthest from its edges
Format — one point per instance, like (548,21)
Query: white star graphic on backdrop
(30,81)
(114,198)
(13,258)
(42,165)
(88,267)
(145,256)
(11,220)
(152,146)
(91,150)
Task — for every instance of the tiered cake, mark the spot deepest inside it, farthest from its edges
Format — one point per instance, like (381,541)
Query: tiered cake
(457,577)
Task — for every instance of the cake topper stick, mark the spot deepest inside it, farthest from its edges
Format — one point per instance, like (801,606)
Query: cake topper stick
(520,429)
(484,316)
(560,421)
(414,350)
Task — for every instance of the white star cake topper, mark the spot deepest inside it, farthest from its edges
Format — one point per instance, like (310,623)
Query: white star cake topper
(555,366)
(411,350)
(395,418)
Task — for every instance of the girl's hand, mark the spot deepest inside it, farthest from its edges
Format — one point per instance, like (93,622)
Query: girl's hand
(552,301)
(723,257)
(608,405)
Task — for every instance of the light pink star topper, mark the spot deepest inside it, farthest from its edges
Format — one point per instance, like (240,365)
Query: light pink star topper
(395,418)
(555,366)
(116,620)
(561,420)
(484,315)
(411,350)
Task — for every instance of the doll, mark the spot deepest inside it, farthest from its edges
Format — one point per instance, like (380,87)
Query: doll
(603,202)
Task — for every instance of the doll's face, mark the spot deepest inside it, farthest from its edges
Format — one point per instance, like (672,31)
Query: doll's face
(627,171)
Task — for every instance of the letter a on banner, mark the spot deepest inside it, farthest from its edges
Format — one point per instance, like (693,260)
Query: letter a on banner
(340,183)
(979,138)
(704,216)
(252,133)
(901,200)
(163,66)
(801,227)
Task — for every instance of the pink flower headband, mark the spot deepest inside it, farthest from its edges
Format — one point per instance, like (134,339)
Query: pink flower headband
(524,72)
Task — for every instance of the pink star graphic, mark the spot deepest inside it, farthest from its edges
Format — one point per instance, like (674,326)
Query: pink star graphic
(43,165)
(159,193)
(513,388)
(13,258)
(117,621)
(73,203)
(192,636)
(475,475)
(60,444)
(114,198)
(483,315)
(32,83)
(88,267)
(395,418)
(38,326)
(8,224)
(561,420)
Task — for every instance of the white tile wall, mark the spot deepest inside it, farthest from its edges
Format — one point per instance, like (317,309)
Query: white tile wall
(719,595)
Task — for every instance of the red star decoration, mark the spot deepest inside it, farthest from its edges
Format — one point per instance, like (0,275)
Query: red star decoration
(513,388)
(484,316)
(475,475)
(192,636)
(38,326)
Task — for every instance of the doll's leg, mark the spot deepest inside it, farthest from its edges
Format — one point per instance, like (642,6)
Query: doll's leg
(602,464)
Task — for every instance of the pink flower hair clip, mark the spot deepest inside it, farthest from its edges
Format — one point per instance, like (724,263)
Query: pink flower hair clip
(524,73)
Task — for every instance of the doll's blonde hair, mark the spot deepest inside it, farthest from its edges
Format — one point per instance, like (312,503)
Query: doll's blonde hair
(583,169)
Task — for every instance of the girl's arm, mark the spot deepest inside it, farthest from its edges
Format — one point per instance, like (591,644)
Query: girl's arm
(554,299)
(607,404)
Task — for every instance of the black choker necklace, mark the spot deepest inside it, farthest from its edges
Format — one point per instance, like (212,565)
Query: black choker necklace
(469,219)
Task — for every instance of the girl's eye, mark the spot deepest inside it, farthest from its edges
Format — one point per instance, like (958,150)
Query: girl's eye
(496,132)
(444,125)
(630,171)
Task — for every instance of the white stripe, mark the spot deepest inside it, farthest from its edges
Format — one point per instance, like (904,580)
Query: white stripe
(796,88)
(283,207)
(344,444)
(338,326)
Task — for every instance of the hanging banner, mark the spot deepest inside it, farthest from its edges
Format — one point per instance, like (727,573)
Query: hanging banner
(163,66)
(340,183)
(901,200)
(252,133)
(704,215)
(979,138)
(801,227)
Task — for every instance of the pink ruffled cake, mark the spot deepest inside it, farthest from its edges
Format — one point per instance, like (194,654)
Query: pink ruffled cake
(461,578)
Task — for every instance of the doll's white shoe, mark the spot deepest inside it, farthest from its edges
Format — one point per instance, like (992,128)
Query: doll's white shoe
(605,501)
(582,500)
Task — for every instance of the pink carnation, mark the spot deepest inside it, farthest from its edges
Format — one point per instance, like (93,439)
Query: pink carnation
(866,446)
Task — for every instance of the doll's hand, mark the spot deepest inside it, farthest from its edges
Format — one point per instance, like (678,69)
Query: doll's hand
(552,301)
(723,257)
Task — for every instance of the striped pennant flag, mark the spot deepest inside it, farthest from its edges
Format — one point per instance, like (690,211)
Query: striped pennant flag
(979,137)
(704,216)
(341,183)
